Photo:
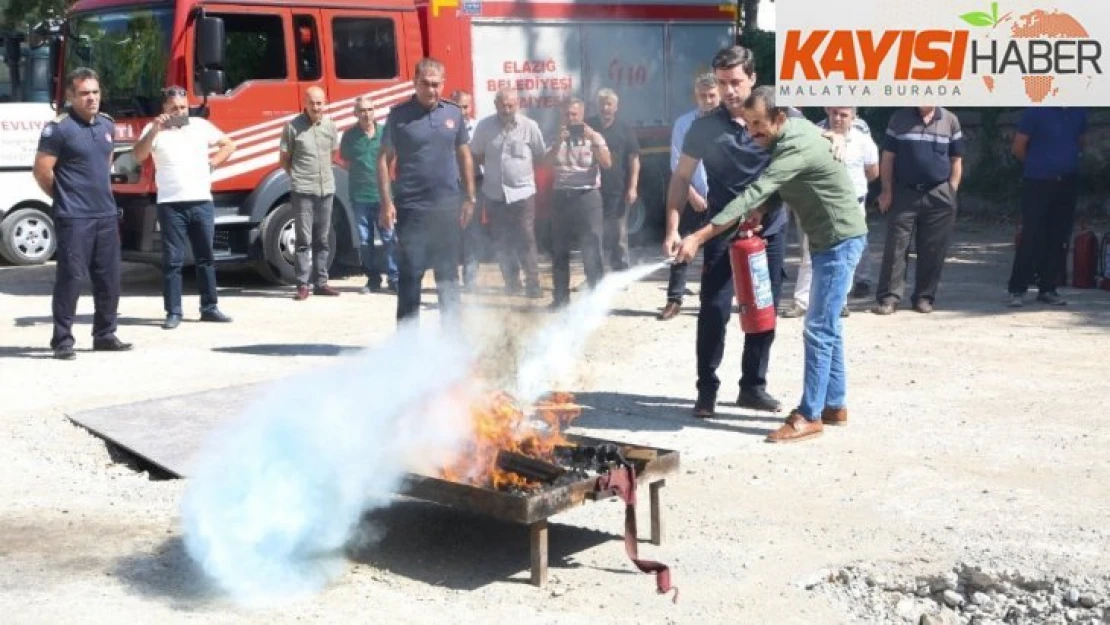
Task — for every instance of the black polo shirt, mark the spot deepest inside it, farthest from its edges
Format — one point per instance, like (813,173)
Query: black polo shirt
(425,141)
(923,152)
(83,171)
(732,161)
(623,143)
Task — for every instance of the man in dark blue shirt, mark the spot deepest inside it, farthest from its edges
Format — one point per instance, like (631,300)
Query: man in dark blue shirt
(427,138)
(73,165)
(732,161)
(1048,141)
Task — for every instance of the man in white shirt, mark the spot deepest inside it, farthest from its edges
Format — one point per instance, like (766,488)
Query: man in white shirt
(180,146)
(861,157)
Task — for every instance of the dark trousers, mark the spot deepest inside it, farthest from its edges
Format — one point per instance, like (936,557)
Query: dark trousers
(1047,213)
(577,219)
(688,222)
(427,239)
(716,309)
(475,246)
(933,213)
(514,236)
(87,248)
(615,225)
(312,228)
(192,224)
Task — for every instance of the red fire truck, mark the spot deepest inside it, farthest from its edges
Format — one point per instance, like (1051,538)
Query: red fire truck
(247,64)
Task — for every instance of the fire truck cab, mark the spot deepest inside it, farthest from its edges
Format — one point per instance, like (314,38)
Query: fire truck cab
(246,66)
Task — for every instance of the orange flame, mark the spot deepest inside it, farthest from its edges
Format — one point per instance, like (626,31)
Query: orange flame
(500,423)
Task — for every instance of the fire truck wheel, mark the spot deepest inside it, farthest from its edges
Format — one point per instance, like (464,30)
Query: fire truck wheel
(279,246)
(27,237)
(637,218)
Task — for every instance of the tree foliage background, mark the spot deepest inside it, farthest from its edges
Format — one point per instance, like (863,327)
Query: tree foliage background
(19,14)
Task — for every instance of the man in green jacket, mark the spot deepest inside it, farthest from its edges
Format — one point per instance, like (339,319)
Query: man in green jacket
(817,187)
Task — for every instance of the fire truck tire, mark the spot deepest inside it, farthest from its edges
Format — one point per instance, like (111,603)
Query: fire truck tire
(637,218)
(27,237)
(279,246)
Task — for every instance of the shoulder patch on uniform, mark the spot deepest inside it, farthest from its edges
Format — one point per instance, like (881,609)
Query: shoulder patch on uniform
(48,129)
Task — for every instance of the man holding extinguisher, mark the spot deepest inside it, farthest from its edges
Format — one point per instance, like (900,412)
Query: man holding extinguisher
(721,143)
(818,188)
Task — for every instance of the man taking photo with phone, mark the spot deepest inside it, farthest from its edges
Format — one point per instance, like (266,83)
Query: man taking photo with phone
(183,168)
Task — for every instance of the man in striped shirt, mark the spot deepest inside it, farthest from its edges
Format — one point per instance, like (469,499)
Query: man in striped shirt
(921,169)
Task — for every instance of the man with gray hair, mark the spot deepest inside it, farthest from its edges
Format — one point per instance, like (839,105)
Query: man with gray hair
(619,182)
(359,149)
(507,145)
(433,198)
(707,97)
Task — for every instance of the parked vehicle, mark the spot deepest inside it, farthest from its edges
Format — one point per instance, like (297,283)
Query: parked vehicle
(26,228)
(247,64)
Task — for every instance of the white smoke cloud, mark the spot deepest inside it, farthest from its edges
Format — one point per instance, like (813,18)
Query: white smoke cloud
(277,494)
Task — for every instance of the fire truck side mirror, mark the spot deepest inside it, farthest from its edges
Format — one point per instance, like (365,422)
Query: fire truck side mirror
(211,43)
(212,81)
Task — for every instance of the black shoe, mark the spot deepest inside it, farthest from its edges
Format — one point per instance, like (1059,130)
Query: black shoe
(706,406)
(372,286)
(110,345)
(861,290)
(64,352)
(391,287)
(758,399)
(171,322)
(215,316)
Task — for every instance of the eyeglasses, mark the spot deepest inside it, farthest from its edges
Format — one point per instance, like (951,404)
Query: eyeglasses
(174,92)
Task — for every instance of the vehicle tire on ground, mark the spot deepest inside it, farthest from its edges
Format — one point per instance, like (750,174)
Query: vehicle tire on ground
(279,246)
(27,237)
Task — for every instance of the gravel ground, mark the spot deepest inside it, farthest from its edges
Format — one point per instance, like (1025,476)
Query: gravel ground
(976,438)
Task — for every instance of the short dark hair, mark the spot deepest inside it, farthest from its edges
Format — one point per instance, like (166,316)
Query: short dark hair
(81,73)
(734,56)
(764,95)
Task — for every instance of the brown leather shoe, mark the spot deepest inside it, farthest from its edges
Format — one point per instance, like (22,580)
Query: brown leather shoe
(302,293)
(797,428)
(670,311)
(325,290)
(834,416)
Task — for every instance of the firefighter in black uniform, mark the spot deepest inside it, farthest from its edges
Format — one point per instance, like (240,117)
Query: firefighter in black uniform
(73,166)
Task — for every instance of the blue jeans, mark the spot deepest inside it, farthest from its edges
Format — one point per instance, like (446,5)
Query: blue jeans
(825,384)
(192,224)
(367,213)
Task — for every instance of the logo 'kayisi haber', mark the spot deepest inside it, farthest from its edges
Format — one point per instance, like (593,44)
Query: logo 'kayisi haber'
(1047,50)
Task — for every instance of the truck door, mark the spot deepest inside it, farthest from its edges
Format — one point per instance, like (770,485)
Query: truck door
(260,89)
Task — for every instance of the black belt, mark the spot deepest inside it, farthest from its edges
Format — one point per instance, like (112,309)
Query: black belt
(575,191)
(926,186)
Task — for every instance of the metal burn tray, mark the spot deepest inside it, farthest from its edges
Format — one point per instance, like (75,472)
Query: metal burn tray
(533,509)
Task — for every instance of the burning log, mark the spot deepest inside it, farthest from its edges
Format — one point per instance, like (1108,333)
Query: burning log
(528,467)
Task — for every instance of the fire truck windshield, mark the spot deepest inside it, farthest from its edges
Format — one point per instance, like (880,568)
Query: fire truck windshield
(130,50)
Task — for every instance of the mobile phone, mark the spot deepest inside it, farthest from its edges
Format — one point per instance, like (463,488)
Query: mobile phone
(577,131)
(177,121)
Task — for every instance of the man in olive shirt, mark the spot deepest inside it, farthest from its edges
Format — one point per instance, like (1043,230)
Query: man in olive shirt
(307,146)
(359,149)
(819,190)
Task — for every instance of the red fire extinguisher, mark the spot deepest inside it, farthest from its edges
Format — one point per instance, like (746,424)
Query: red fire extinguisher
(752,281)
(1084,261)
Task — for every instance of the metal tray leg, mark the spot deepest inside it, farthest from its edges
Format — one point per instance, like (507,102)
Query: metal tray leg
(538,535)
(656,512)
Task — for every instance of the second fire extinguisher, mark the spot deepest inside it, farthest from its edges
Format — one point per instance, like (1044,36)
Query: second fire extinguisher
(1084,261)
(752,280)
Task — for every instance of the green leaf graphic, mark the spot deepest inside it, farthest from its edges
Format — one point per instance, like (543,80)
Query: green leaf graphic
(994,12)
(978,18)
